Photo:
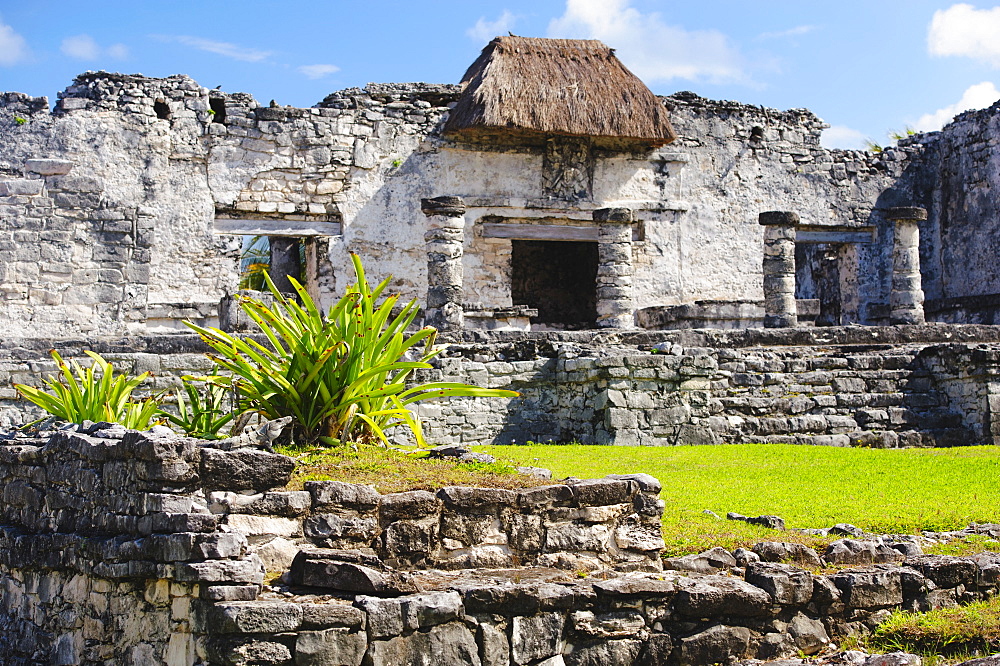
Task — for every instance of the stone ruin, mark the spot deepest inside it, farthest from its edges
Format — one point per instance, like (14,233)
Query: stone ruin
(677,271)
(123,208)
(148,548)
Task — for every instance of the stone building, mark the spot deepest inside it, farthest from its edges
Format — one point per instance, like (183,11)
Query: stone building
(123,209)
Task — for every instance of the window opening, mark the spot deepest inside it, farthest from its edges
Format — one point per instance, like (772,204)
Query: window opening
(161,109)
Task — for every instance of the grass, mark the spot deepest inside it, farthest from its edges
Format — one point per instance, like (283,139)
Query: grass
(961,632)
(393,471)
(884,491)
(901,491)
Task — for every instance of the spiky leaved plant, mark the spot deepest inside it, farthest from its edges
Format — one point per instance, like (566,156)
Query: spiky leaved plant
(88,395)
(343,376)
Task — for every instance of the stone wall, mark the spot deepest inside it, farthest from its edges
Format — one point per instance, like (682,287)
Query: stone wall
(146,548)
(934,385)
(159,167)
(114,544)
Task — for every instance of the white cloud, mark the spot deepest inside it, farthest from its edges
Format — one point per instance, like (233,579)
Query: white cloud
(978,96)
(963,30)
(485,30)
(652,49)
(227,49)
(791,32)
(83,47)
(318,71)
(13,48)
(843,137)
(118,51)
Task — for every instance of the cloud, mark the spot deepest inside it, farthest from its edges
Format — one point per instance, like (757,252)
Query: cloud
(843,137)
(13,48)
(791,32)
(485,30)
(83,47)
(227,49)
(963,30)
(978,96)
(652,49)
(318,71)
(118,51)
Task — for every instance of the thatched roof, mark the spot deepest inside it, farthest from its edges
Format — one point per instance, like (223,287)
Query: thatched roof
(528,88)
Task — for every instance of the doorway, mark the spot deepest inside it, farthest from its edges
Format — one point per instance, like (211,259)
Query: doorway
(559,279)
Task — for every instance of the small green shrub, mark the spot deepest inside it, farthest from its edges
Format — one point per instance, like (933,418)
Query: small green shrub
(204,413)
(343,376)
(20,121)
(88,395)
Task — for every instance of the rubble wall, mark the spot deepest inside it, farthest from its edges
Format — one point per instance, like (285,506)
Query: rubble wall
(146,548)
(934,385)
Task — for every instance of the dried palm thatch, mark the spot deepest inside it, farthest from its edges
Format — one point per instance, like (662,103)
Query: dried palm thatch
(527,88)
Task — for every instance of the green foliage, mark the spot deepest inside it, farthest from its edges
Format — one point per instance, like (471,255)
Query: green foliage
(894,491)
(203,414)
(20,121)
(88,395)
(946,631)
(342,376)
(255,259)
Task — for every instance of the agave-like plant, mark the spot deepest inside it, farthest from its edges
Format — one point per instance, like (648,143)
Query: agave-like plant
(203,414)
(88,395)
(342,376)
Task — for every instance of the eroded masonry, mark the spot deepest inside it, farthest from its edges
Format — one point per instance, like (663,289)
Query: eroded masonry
(644,271)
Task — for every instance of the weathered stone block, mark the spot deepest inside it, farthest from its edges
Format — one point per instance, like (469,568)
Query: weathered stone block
(713,596)
(714,645)
(331,647)
(245,469)
(786,584)
(451,644)
(327,494)
(536,637)
(869,588)
(253,617)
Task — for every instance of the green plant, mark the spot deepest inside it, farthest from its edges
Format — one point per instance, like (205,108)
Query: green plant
(202,414)
(342,376)
(85,396)
(255,259)
(20,121)
(956,631)
(396,163)
(211,112)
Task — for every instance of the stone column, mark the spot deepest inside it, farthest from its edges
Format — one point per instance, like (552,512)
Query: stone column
(444,241)
(779,268)
(614,268)
(906,300)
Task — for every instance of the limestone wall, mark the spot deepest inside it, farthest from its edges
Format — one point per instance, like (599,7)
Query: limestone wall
(851,386)
(146,548)
(146,165)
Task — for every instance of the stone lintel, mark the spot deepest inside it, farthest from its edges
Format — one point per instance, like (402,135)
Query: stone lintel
(614,215)
(914,213)
(778,218)
(448,206)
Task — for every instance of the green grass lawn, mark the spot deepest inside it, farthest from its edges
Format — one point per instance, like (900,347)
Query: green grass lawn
(886,491)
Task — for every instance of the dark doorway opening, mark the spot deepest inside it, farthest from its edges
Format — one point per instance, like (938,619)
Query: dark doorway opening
(559,278)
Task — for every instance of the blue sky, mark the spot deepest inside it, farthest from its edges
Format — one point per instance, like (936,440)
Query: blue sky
(865,67)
